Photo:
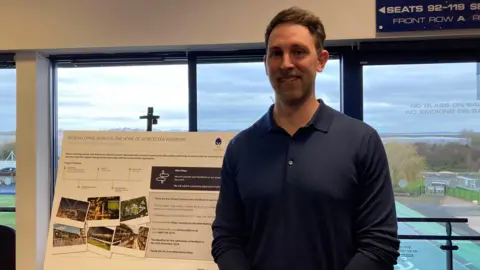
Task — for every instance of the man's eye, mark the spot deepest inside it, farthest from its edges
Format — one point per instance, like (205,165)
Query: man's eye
(300,52)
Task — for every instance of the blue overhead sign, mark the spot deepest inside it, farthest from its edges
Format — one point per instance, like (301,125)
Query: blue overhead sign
(478,80)
(426,15)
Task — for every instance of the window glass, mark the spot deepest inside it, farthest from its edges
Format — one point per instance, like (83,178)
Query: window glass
(113,98)
(428,117)
(7,144)
(232,96)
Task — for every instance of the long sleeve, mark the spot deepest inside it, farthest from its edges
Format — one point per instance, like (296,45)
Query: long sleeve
(228,228)
(376,226)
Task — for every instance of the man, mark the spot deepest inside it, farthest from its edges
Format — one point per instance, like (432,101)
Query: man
(305,187)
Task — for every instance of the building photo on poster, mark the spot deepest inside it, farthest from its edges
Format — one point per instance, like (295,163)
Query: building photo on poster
(426,15)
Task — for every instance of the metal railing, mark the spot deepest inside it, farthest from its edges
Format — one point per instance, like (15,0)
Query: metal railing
(448,247)
(8,173)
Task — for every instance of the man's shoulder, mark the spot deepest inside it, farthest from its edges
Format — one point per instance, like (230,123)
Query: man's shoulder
(247,134)
(348,125)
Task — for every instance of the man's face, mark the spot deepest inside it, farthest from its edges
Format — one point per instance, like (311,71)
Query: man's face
(292,62)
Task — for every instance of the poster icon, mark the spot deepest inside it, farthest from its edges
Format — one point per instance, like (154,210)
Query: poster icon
(162,177)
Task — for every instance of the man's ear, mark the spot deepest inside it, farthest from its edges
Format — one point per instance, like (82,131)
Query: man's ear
(322,60)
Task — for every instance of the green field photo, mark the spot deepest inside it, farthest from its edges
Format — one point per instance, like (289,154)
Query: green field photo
(8,219)
(98,244)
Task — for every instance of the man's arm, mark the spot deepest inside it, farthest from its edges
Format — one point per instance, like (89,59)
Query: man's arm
(229,235)
(376,226)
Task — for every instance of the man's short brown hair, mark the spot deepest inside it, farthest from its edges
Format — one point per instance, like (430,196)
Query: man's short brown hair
(296,15)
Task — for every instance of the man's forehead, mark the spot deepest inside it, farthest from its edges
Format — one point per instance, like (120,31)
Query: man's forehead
(290,35)
(279,44)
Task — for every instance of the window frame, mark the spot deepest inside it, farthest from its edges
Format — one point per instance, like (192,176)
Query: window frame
(7,61)
(97,60)
(191,58)
(410,52)
(242,56)
(420,51)
(352,59)
(413,52)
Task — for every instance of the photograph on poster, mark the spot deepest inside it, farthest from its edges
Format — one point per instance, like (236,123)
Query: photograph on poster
(130,240)
(134,211)
(104,211)
(99,240)
(72,212)
(68,239)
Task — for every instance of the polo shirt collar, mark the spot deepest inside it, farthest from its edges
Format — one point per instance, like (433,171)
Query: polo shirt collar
(321,119)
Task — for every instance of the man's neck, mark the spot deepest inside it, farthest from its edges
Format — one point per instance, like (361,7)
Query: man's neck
(291,118)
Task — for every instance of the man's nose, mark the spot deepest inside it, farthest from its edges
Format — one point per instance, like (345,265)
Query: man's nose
(286,61)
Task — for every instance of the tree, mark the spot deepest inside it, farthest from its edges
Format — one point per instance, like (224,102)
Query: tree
(6,149)
(473,136)
(453,156)
(404,162)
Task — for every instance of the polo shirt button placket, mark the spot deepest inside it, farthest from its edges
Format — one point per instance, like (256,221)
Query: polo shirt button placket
(290,161)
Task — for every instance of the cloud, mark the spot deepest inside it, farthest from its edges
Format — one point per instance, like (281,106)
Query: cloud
(230,96)
(60,227)
(118,96)
(70,103)
(66,228)
(392,95)
(8,99)
(242,93)
(233,96)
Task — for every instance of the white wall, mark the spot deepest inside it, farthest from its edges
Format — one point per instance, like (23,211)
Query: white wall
(33,160)
(162,24)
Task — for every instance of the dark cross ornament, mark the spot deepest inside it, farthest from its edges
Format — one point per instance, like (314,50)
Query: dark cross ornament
(151,119)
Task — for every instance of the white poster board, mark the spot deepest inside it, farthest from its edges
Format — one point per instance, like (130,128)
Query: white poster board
(135,200)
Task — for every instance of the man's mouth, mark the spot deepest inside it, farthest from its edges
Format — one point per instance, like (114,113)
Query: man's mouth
(289,78)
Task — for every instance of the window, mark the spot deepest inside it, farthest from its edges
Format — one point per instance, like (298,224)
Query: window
(114,97)
(7,144)
(232,96)
(428,117)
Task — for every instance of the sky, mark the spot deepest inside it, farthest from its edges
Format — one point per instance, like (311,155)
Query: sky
(233,96)
(66,228)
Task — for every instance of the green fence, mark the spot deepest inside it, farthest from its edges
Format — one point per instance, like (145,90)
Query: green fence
(415,189)
(462,193)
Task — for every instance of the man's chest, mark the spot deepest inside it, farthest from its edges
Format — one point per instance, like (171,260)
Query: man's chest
(313,168)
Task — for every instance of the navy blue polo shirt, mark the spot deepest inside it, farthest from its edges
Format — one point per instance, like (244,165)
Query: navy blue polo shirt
(321,199)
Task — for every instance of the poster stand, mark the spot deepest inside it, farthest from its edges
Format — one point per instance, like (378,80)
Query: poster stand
(135,200)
